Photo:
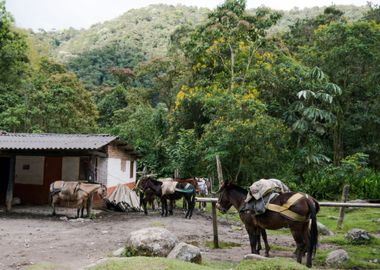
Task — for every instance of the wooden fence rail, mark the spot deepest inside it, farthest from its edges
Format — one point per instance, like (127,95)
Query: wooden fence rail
(213,202)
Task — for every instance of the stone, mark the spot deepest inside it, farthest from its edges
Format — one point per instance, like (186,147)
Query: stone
(323,229)
(151,241)
(358,236)
(119,252)
(255,257)
(337,257)
(377,220)
(186,252)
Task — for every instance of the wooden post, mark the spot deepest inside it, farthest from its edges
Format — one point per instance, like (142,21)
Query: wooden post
(215,225)
(219,170)
(11,177)
(176,173)
(341,210)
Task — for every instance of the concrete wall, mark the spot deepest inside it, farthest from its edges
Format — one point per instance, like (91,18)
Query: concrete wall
(70,168)
(29,170)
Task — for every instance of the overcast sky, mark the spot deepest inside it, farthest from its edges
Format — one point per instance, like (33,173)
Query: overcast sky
(60,14)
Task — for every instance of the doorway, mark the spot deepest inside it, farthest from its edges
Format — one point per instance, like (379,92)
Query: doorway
(4,177)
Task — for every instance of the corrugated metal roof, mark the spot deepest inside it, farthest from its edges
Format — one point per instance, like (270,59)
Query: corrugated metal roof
(28,141)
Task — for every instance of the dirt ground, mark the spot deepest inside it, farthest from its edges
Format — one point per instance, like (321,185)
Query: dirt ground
(29,235)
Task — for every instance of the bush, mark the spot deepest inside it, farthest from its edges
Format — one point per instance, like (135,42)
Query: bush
(328,183)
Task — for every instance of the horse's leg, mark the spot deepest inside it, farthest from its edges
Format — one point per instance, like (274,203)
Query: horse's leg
(252,233)
(265,238)
(191,203)
(143,202)
(171,206)
(53,202)
(258,240)
(298,237)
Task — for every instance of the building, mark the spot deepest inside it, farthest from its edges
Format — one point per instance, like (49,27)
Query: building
(29,163)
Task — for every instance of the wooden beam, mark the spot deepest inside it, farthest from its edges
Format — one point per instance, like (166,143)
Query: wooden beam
(11,177)
(341,204)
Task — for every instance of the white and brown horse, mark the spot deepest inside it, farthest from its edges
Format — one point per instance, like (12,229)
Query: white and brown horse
(75,194)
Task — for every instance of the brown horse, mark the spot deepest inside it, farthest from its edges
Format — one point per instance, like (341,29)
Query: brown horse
(75,194)
(306,238)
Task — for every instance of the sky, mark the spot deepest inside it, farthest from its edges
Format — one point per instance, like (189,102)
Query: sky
(62,14)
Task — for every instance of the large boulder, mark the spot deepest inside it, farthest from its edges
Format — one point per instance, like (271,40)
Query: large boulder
(323,229)
(150,242)
(336,257)
(358,236)
(186,252)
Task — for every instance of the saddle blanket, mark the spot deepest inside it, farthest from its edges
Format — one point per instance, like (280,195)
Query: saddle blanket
(265,186)
(258,207)
(168,187)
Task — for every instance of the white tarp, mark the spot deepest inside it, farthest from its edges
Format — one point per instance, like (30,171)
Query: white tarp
(124,198)
(264,186)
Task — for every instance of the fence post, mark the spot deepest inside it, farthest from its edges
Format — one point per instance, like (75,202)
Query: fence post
(215,225)
(341,210)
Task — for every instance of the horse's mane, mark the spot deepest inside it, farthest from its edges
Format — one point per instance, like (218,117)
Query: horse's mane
(154,181)
(240,189)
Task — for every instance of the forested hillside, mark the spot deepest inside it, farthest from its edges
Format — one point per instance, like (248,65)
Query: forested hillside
(292,95)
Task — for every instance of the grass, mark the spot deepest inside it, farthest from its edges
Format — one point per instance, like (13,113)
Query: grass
(46,266)
(222,244)
(361,256)
(153,263)
(272,264)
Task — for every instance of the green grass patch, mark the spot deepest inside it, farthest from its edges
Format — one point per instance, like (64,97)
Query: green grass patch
(143,263)
(220,265)
(272,264)
(222,244)
(46,266)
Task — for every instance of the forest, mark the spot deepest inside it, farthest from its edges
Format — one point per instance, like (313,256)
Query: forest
(274,94)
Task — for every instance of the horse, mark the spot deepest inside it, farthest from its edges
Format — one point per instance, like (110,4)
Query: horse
(75,193)
(148,196)
(151,183)
(204,186)
(306,207)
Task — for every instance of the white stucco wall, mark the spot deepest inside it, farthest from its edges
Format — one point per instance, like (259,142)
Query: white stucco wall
(29,170)
(70,168)
(102,165)
(115,174)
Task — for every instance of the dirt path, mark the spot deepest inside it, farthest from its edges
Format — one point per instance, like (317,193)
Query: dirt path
(30,236)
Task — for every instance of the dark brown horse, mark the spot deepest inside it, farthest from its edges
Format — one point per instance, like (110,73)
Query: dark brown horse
(306,238)
(184,190)
(148,197)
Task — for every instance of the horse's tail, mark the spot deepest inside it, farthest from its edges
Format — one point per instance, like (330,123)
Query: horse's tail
(314,208)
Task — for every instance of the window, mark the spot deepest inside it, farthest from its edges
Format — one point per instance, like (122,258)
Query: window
(131,169)
(123,165)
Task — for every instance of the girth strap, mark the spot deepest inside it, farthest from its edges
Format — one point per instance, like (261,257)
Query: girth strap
(284,209)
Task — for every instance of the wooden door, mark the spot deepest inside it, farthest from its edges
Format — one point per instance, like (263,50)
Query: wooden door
(52,172)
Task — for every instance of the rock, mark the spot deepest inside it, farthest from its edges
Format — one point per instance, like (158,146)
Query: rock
(358,236)
(376,220)
(337,257)
(186,252)
(323,229)
(16,201)
(119,252)
(152,241)
(255,257)
(64,218)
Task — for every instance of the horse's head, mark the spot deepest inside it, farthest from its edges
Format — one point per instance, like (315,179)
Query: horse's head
(145,182)
(102,191)
(224,201)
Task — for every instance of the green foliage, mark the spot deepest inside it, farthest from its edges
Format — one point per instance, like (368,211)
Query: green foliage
(94,67)
(329,181)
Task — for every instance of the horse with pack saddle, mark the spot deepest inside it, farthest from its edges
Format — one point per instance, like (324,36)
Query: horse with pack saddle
(75,194)
(169,190)
(269,204)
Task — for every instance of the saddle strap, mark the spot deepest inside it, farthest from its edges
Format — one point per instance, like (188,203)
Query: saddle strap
(284,209)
